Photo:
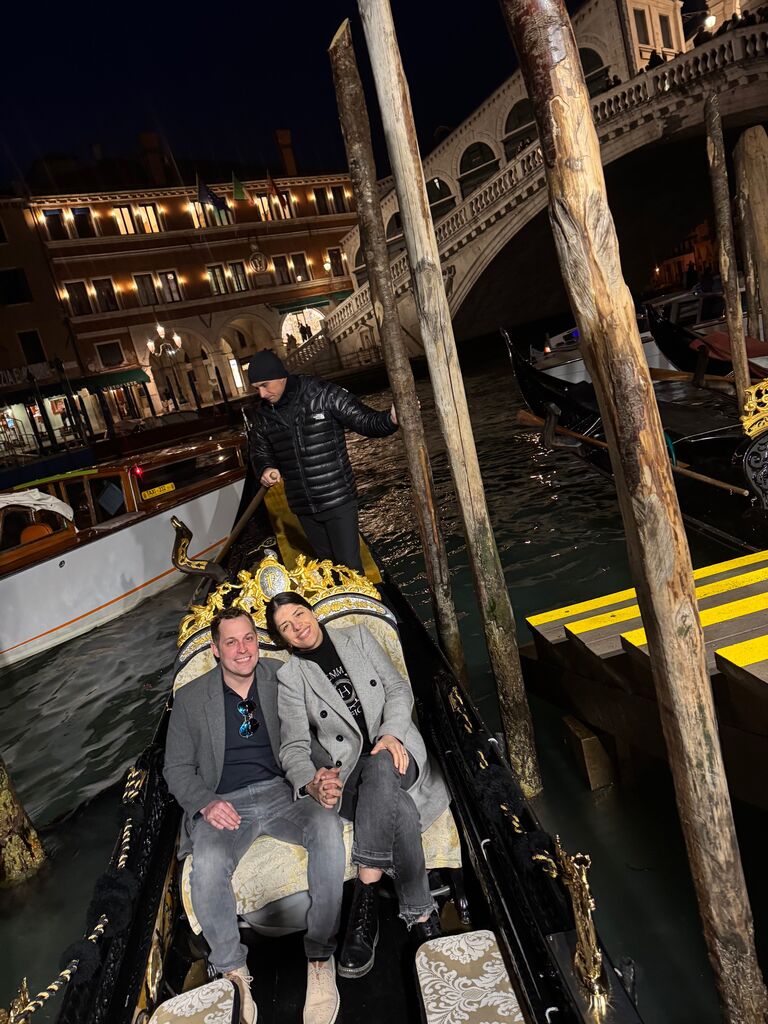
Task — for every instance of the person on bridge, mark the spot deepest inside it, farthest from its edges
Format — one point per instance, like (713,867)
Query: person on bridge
(298,435)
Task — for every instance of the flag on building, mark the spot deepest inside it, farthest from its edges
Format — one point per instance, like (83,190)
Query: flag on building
(280,196)
(208,198)
(239,191)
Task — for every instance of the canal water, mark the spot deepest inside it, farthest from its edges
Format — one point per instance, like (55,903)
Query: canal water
(71,721)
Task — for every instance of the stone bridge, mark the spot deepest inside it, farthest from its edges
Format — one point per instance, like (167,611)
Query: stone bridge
(653,106)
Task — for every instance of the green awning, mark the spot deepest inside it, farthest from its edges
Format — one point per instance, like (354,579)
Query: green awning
(314,301)
(56,389)
(110,380)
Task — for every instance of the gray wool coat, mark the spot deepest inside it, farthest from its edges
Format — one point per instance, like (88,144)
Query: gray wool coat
(194,748)
(310,709)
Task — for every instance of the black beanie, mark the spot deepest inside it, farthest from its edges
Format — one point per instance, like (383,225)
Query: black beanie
(265,365)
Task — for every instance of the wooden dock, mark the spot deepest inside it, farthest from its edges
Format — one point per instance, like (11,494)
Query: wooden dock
(593,658)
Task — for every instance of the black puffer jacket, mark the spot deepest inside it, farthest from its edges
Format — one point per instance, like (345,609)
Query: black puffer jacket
(303,437)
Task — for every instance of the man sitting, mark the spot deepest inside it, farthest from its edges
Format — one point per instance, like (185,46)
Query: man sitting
(221,764)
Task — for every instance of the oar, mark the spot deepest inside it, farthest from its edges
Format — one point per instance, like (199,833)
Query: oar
(525,418)
(237,529)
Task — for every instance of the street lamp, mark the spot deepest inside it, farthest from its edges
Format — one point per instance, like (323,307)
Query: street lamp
(160,344)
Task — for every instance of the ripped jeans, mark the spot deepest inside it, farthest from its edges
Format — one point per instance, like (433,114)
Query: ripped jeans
(388,829)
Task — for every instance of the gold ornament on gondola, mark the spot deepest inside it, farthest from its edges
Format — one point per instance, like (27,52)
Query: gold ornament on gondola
(587,959)
(755,418)
(316,581)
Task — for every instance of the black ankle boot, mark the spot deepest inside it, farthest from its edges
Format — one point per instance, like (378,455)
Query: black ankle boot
(359,949)
(423,931)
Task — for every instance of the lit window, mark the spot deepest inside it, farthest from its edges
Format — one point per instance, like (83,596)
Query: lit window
(261,204)
(110,353)
(54,222)
(105,294)
(282,273)
(217,279)
(337,265)
(124,220)
(239,278)
(79,300)
(83,221)
(145,289)
(339,200)
(169,283)
(148,219)
(209,217)
(300,267)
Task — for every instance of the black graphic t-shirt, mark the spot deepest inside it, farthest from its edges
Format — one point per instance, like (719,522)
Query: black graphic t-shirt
(326,656)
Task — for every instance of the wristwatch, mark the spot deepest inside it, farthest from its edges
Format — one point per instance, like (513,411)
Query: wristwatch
(302,791)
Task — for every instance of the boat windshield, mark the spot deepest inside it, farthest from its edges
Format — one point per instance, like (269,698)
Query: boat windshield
(21,526)
(186,473)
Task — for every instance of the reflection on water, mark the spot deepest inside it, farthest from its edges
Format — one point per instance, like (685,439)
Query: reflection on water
(72,720)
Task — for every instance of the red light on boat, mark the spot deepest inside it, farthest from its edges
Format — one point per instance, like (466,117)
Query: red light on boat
(138,471)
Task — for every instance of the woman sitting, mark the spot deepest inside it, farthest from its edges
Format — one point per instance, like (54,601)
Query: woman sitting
(342,687)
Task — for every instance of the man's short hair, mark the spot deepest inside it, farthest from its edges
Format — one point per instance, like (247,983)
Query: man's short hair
(228,613)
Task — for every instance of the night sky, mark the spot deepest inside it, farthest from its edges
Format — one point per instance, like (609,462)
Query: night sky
(215,80)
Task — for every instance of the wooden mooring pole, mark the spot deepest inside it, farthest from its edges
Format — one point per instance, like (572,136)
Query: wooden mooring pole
(751,159)
(726,248)
(21,852)
(356,130)
(448,387)
(588,252)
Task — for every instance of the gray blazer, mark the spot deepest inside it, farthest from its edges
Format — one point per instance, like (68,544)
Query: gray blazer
(310,708)
(194,748)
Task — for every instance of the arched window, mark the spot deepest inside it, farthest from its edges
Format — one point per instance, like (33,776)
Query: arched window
(478,163)
(394,233)
(360,269)
(440,197)
(595,72)
(519,128)
(394,227)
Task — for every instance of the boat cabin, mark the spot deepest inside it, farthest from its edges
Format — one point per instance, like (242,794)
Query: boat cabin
(108,497)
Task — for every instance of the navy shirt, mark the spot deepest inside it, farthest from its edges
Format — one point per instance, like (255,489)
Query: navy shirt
(250,759)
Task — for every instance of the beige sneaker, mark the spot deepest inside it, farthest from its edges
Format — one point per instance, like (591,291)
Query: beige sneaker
(241,979)
(322,1003)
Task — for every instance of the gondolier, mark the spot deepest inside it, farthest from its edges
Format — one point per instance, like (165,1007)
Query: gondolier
(299,424)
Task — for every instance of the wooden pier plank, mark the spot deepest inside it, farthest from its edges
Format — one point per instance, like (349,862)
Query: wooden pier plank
(550,626)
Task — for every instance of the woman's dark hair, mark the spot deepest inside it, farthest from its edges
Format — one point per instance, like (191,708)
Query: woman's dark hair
(280,601)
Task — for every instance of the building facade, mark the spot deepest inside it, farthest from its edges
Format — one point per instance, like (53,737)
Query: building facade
(118,306)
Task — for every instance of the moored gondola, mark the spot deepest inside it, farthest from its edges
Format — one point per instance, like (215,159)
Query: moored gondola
(717,461)
(513,884)
(699,352)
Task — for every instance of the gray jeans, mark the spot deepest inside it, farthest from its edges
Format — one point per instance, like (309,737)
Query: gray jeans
(388,829)
(267,808)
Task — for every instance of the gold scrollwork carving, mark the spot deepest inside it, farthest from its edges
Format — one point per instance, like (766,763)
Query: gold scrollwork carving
(755,418)
(316,581)
(457,706)
(587,959)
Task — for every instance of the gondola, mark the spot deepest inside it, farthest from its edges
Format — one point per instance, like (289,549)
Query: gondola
(704,436)
(699,353)
(514,883)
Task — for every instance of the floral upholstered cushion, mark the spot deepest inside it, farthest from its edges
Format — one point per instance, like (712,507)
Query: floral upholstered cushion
(463,978)
(213,1003)
(272,869)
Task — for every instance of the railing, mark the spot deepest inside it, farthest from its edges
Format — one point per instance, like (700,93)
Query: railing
(308,351)
(648,88)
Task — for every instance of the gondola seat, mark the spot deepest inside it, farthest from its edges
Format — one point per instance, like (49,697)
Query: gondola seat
(463,978)
(270,882)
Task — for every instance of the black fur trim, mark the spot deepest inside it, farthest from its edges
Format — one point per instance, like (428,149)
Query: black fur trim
(89,956)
